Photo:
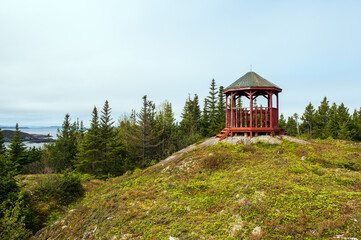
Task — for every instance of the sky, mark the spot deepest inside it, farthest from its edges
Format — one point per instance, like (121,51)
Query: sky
(67,56)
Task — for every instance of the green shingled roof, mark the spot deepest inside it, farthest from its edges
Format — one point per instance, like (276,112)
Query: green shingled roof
(251,79)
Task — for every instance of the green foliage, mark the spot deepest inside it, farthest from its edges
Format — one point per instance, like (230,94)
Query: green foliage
(16,215)
(227,192)
(8,187)
(12,224)
(334,122)
(62,188)
(191,116)
(308,119)
(291,126)
(101,151)
(59,156)
(213,115)
(2,143)
(17,150)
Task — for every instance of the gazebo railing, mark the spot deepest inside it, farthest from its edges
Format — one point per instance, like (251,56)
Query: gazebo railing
(259,117)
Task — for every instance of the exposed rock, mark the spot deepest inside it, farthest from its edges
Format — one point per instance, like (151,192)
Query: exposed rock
(256,231)
(292,139)
(235,229)
(303,158)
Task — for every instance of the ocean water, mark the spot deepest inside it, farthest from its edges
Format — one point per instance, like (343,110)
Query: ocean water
(43,131)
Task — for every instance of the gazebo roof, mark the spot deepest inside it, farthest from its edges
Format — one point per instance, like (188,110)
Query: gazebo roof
(251,79)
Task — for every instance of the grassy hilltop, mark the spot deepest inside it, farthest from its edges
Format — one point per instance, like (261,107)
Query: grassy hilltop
(257,191)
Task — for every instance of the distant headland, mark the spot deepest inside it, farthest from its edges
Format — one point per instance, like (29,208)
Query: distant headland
(32,138)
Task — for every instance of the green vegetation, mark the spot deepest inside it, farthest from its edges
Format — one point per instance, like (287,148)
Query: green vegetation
(262,190)
(286,191)
(325,122)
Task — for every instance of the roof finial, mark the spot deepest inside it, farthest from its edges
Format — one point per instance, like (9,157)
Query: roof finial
(251,68)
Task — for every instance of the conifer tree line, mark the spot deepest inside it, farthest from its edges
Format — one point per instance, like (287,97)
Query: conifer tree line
(327,121)
(110,148)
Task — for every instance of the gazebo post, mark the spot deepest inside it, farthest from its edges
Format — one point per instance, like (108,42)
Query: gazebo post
(250,110)
(226,110)
(271,113)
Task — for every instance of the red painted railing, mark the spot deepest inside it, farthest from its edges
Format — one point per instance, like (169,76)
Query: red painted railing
(261,117)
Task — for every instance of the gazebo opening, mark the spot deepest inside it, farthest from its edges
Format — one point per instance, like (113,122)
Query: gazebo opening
(251,107)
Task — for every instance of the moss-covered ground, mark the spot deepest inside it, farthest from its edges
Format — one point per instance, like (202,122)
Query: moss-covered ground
(259,191)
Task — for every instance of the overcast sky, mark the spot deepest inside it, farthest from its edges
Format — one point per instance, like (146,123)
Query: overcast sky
(67,56)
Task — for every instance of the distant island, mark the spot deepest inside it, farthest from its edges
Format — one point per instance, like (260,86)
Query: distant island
(41,127)
(32,138)
(12,127)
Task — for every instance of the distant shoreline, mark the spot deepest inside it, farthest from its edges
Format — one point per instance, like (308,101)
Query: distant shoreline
(28,137)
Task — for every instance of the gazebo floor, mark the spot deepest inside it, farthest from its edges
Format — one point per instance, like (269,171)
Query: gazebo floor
(252,131)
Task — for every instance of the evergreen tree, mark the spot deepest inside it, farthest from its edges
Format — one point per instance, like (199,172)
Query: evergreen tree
(63,152)
(282,122)
(321,119)
(332,126)
(205,119)
(17,150)
(89,156)
(239,102)
(308,119)
(191,116)
(221,109)
(355,132)
(344,120)
(2,143)
(295,116)
(144,135)
(165,123)
(291,126)
(111,147)
(212,104)
(8,186)
(191,122)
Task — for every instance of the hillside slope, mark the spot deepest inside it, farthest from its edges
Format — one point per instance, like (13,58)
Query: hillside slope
(223,191)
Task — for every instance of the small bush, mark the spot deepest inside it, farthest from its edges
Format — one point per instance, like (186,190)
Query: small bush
(65,188)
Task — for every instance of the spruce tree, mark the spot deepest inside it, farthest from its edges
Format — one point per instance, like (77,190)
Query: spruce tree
(221,109)
(295,116)
(291,126)
(321,119)
(89,156)
(165,123)
(212,110)
(344,120)
(308,119)
(65,148)
(17,150)
(191,122)
(111,147)
(355,132)
(191,116)
(2,143)
(205,120)
(282,122)
(145,135)
(333,126)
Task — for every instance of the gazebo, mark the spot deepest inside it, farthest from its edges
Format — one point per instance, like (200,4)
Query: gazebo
(253,120)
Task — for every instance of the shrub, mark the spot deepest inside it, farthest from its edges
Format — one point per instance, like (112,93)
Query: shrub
(65,188)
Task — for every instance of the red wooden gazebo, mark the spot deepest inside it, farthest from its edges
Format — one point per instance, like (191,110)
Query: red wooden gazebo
(252,120)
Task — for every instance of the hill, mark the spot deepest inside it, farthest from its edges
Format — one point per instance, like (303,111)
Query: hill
(9,135)
(252,191)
